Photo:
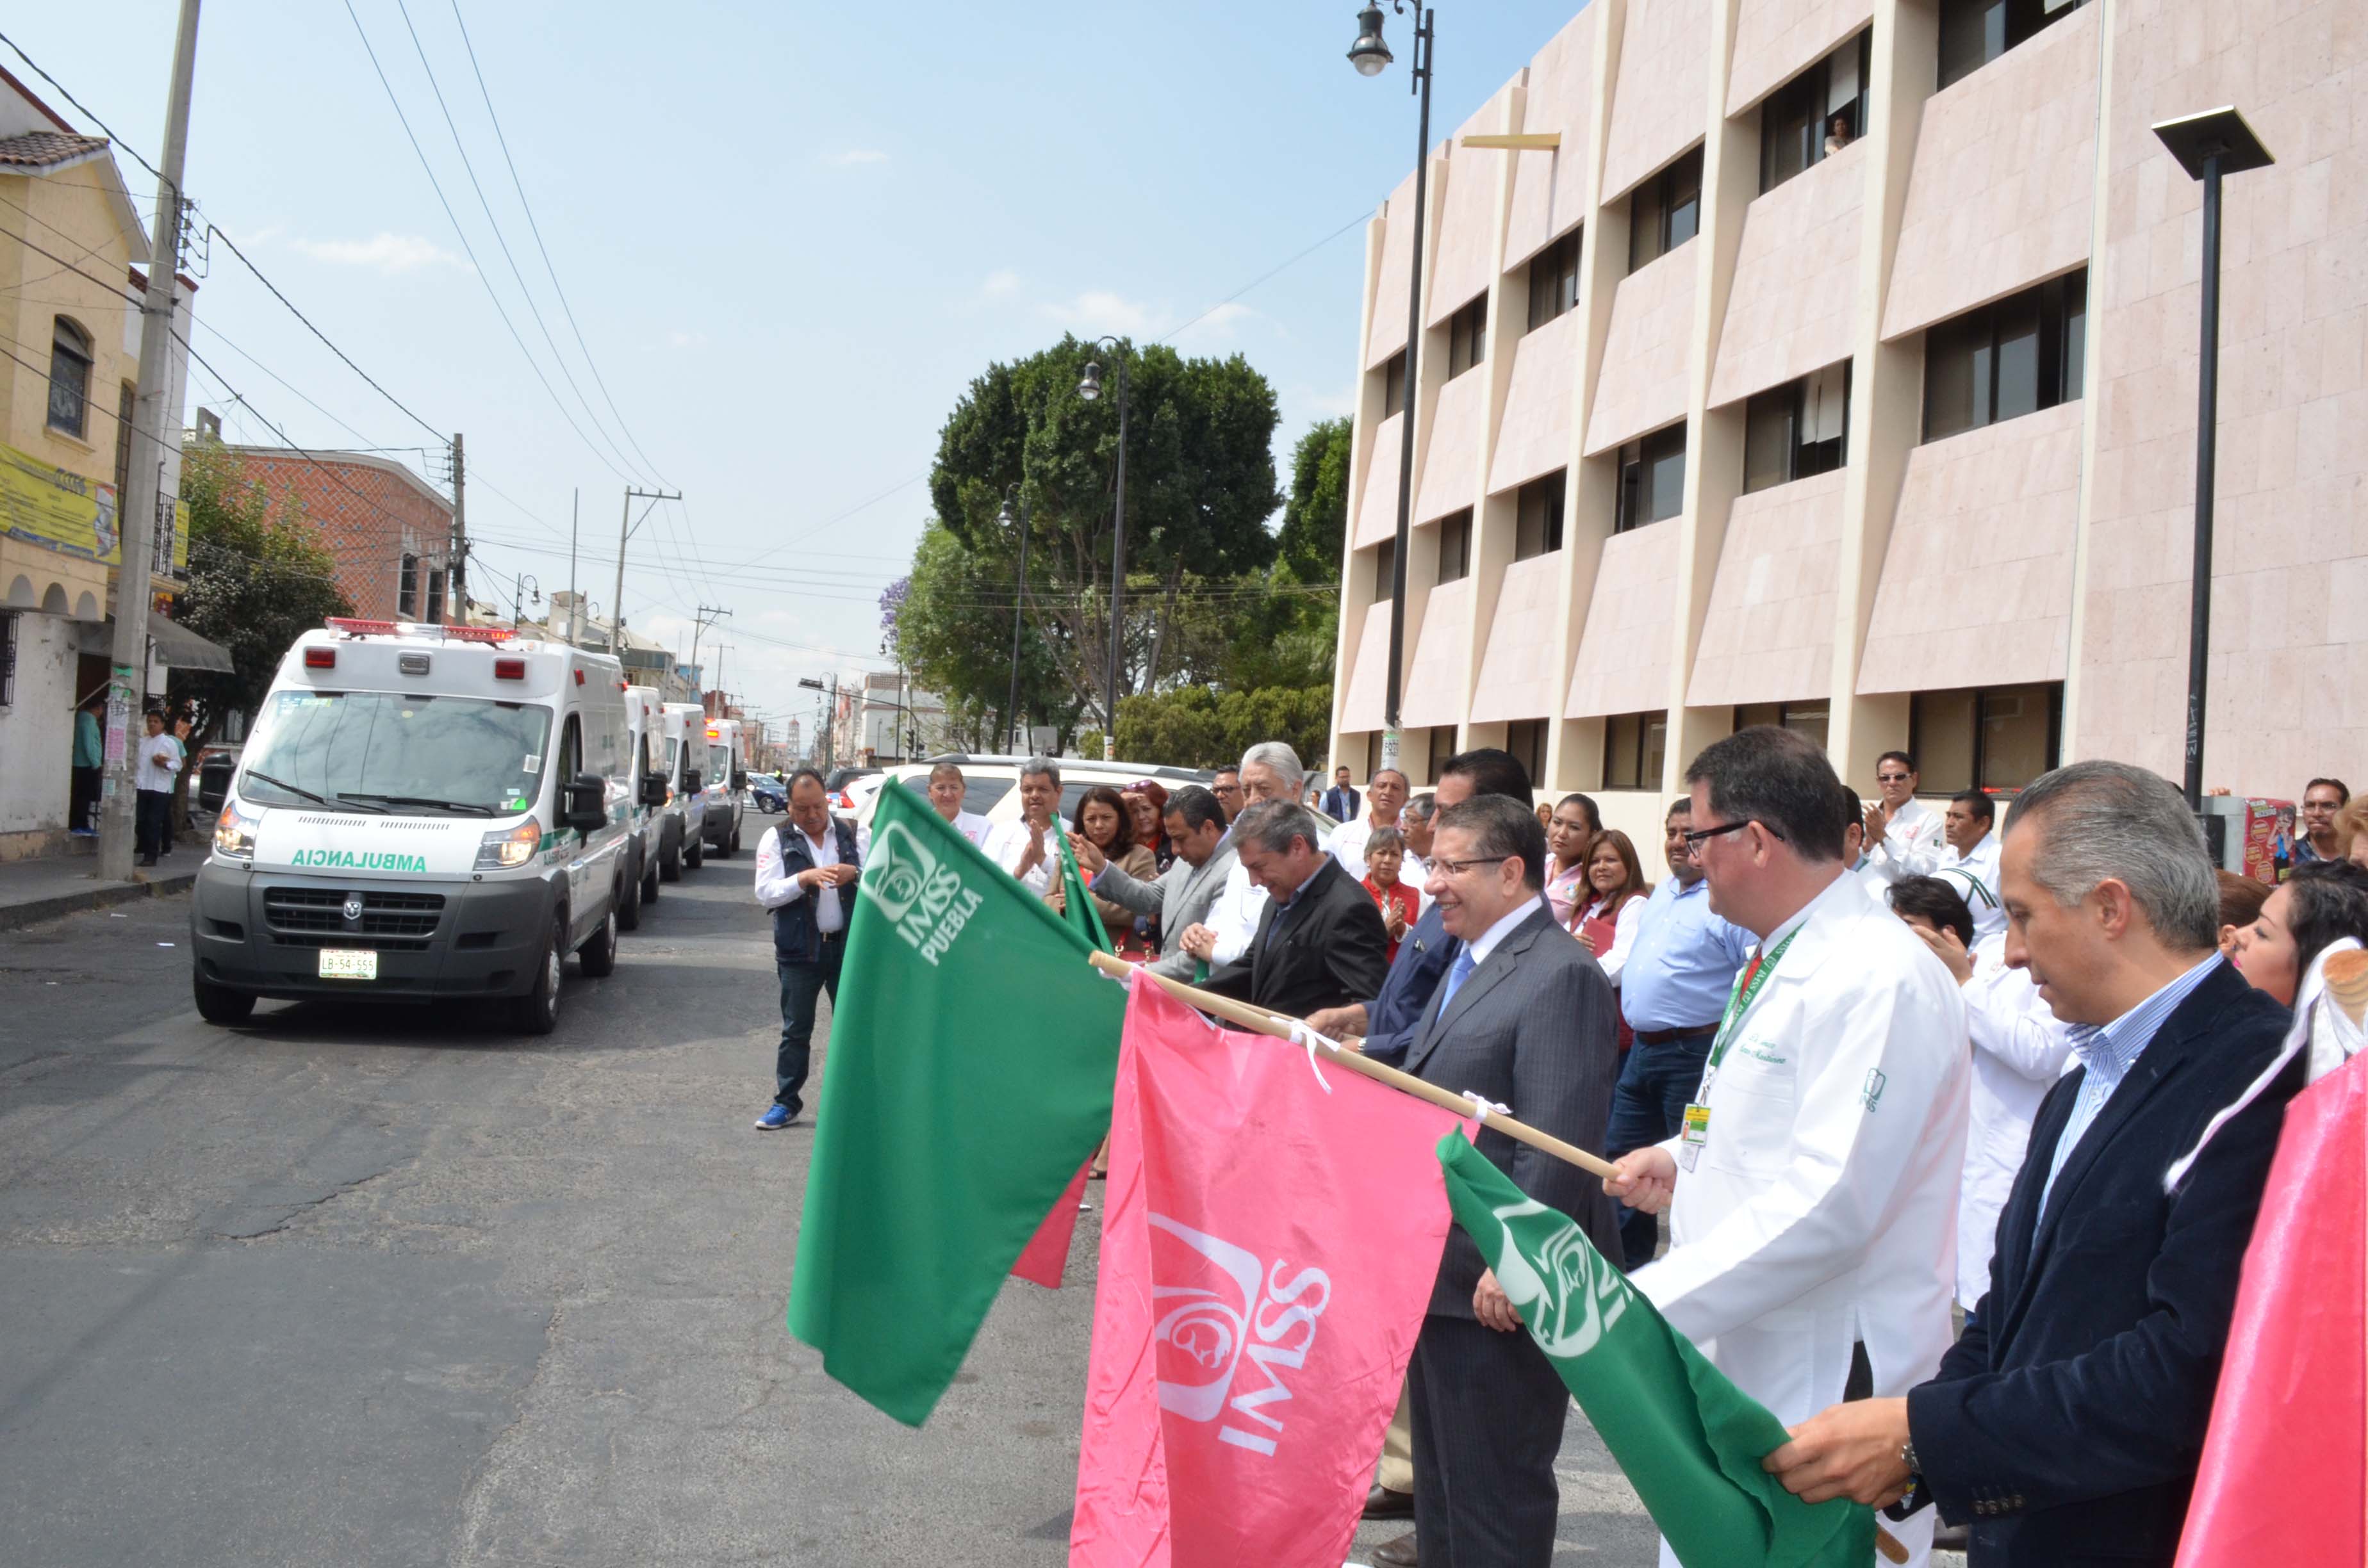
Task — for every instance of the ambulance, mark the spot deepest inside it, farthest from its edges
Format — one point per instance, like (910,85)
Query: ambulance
(727,784)
(421,813)
(645,724)
(686,807)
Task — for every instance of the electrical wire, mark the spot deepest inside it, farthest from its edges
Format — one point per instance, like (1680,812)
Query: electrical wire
(77,103)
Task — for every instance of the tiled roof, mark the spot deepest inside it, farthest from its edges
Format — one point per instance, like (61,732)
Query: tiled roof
(47,148)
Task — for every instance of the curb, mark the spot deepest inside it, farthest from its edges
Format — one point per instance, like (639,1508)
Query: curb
(33,911)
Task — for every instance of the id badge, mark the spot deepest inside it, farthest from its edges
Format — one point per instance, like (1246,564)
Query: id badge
(1696,1132)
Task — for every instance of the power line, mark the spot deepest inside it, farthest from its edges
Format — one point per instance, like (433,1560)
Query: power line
(77,103)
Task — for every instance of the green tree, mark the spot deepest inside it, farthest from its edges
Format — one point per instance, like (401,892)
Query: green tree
(1198,727)
(1315,514)
(952,627)
(259,576)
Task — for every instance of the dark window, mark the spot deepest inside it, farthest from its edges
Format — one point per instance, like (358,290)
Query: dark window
(1814,115)
(1652,479)
(1537,530)
(1633,748)
(1808,720)
(1455,547)
(406,588)
(1553,280)
(1998,737)
(2011,357)
(1796,430)
(1467,337)
(1442,747)
(8,660)
(127,409)
(1393,384)
(1665,211)
(1385,561)
(1975,32)
(1526,739)
(70,360)
(434,596)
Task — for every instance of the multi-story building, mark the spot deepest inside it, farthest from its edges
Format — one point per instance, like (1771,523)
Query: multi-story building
(389,529)
(1833,363)
(895,722)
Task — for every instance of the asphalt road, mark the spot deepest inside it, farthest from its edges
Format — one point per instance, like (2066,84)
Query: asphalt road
(356,1286)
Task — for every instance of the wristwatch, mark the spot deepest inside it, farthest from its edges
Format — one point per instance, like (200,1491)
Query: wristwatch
(1907,1457)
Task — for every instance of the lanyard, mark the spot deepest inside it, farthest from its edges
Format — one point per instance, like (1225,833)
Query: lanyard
(1739,1001)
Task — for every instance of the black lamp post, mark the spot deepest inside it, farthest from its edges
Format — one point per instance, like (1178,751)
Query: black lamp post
(1019,606)
(1089,389)
(1371,55)
(2207,146)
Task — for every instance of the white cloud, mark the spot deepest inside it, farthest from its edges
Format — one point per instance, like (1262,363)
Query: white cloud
(855,155)
(1221,320)
(383,253)
(1097,310)
(1001,281)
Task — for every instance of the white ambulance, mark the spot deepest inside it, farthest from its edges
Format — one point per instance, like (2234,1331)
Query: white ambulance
(645,723)
(727,784)
(686,807)
(421,812)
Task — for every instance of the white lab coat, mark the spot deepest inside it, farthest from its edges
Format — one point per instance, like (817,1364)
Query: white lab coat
(1917,844)
(1822,1210)
(2019,1050)
(1975,877)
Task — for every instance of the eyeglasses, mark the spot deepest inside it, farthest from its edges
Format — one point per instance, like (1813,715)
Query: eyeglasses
(1695,839)
(1893,778)
(1457,867)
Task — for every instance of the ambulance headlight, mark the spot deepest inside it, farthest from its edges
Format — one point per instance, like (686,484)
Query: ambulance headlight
(234,832)
(508,847)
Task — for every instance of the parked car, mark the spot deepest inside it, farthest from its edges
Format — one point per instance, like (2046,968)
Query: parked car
(991,784)
(768,793)
(682,839)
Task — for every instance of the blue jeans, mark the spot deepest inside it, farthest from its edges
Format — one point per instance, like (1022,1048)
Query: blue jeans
(1649,1105)
(802,988)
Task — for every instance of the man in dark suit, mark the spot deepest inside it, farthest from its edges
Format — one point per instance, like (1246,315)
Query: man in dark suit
(1340,800)
(2065,1426)
(1320,941)
(1181,895)
(1524,1019)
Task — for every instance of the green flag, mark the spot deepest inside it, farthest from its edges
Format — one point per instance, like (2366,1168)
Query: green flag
(969,1071)
(1689,1441)
(1081,914)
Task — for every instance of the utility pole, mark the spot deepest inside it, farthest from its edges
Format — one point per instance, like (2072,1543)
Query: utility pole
(707,615)
(574,603)
(625,526)
(128,665)
(460,610)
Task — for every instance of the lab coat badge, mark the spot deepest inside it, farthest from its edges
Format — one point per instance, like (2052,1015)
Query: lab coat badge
(1871,1095)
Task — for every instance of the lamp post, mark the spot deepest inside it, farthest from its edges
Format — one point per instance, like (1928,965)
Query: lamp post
(1019,601)
(1371,55)
(1089,389)
(2207,146)
(518,596)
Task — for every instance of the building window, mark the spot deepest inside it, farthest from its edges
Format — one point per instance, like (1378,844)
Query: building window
(1393,384)
(1385,568)
(434,596)
(8,660)
(1633,748)
(1808,720)
(1455,547)
(70,361)
(127,410)
(1999,737)
(1442,747)
(1975,32)
(1553,280)
(1652,479)
(1537,530)
(1814,115)
(1526,739)
(1665,211)
(2014,356)
(1796,430)
(407,588)
(1467,337)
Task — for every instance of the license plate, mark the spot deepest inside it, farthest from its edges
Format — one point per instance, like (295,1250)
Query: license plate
(346,963)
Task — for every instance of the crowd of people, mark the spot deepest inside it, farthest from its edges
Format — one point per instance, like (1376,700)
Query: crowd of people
(1889,1088)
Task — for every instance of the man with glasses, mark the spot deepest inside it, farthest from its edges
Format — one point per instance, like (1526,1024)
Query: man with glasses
(1813,1184)
(1226,785)
(1904,837)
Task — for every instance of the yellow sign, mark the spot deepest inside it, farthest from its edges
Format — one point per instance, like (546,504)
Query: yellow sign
(74,514)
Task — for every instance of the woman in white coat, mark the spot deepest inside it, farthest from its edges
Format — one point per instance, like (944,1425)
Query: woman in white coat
(1813,1189)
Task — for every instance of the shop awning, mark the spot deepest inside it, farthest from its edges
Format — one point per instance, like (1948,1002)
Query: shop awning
(183,649)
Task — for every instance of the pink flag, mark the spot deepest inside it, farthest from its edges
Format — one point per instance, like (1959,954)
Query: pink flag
(1268,1250)
(1047,1253)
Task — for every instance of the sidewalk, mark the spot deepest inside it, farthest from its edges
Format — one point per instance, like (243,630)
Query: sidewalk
(49,886)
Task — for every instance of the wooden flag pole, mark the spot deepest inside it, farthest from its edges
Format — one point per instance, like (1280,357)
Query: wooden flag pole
(1261,1021)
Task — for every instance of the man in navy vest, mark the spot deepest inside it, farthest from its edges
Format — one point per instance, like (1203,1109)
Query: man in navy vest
(806,868)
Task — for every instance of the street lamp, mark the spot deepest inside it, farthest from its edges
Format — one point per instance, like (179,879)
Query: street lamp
(1369,55)
(517,594)
(1091,388)
(2207,146)
(1019,599)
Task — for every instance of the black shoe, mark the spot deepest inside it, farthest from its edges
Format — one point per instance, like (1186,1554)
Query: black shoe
(1381,1502)
(1398,1553)
(145,861)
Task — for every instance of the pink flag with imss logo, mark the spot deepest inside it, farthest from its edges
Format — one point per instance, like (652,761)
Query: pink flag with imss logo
(1269,1246)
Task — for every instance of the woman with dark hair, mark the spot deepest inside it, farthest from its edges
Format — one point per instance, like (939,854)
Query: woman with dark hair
(1571,828)
(2318,905)
(1102,818)
(1605,924)
(1146,805)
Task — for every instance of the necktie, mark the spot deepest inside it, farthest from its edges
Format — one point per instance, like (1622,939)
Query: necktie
(1457,973)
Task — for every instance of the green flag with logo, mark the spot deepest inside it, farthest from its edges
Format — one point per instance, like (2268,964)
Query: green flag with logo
(968,1074)
(1689,1441)
(1077,900)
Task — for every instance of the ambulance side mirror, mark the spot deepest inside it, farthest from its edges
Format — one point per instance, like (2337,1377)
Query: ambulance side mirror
(654,789)
(739,779)
(691,781)
(585,804)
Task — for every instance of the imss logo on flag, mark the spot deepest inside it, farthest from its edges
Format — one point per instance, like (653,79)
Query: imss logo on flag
(926,902)
(1217,1305)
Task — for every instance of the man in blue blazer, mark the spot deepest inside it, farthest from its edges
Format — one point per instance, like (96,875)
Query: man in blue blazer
(2065,1427)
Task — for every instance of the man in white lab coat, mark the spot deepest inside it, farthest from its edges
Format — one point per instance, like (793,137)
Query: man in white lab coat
(1813,1187)
(1970,864)
(1904,837)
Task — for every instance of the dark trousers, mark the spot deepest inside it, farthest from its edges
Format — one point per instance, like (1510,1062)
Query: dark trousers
(1487,1410)
(1649,1105)
(82,797)
(149,812)
(802,988)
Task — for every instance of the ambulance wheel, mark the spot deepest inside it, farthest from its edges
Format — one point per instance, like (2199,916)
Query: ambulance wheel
(736,838)
(628,901)
(598,956)
(650,876)
(694,850)
(220,1004)
(670,862)
(537,1012)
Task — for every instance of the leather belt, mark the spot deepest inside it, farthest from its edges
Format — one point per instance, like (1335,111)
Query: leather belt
(1664,1037)
(839,935)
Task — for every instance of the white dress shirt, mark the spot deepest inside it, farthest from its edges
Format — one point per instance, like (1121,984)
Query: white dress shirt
(1234,916)
(2019,1050)
(1624,927)
(1975,875)
(147,773)
(777,888)
(1006,845)
(1915,846)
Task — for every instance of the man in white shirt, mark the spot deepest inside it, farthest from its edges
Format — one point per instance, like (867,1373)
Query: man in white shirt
(1972,864)
(1904,835)
(1270,771)
(806,868)
(1813,1185)
(154,767)
(1384,798)
(1026,848)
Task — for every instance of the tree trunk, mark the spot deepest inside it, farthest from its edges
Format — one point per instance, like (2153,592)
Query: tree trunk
(1166,619)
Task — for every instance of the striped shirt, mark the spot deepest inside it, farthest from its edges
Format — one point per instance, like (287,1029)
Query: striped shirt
(2108,1052)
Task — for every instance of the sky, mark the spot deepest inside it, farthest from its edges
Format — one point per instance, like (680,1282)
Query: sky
(789,236)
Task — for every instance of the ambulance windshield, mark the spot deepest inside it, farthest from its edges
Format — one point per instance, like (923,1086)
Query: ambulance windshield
(397,751)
